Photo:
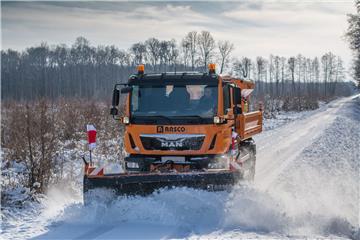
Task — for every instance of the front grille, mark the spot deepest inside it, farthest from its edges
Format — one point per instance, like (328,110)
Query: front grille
(177,142)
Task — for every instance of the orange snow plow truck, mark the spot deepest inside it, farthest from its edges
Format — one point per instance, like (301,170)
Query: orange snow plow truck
(187,129)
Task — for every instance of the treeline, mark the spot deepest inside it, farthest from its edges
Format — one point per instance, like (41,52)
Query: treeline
(295,76)
(295,83)
(83,70)
(87,71)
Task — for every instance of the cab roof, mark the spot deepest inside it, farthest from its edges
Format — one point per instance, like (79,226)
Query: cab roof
(174,78)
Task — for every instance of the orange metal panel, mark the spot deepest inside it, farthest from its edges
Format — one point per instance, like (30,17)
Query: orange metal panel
(223,138)
(249,124)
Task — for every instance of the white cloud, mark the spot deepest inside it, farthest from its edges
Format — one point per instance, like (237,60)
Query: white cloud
(56,24)
(288,29)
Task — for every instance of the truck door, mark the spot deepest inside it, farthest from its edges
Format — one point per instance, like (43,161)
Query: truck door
(237,110)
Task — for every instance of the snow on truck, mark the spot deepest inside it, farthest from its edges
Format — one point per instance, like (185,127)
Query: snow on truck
(182,129)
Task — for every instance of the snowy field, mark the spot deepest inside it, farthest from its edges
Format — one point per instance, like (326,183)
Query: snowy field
(307,186)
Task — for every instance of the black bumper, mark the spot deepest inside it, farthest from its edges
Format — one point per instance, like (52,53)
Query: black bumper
(144,184)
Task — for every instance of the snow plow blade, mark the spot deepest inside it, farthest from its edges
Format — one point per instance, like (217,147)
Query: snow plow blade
(144,184)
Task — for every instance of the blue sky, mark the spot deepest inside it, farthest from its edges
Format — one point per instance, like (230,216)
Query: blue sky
(255,27)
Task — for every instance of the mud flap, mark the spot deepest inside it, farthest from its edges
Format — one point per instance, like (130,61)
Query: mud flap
(144,184)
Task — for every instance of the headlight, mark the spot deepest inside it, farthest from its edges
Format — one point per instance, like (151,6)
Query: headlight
(217,120)
(126,120)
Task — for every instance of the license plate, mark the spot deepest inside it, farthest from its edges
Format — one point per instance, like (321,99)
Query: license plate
(174,159)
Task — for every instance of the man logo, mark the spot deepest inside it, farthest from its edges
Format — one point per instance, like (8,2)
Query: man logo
(171,144)
(160,129)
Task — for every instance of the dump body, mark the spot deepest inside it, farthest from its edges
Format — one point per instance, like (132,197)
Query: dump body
(184,129)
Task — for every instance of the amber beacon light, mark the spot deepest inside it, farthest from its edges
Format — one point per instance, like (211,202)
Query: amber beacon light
(141,69)
(212,67)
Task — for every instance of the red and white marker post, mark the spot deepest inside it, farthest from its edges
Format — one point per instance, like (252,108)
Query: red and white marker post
(91,131)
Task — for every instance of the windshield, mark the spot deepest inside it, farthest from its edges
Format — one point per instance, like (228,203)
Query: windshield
(174,101)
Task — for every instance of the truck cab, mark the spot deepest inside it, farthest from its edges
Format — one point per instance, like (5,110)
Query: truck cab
(186,120)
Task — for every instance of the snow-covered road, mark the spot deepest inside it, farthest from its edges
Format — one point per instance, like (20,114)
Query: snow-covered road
(280,147)
(307,185)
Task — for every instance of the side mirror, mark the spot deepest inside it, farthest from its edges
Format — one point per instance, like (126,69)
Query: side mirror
(126,89)
(237,110)
(114,111)
(115,102)
(116,97)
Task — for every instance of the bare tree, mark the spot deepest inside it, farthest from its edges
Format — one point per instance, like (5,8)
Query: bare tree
(261,71)
(139,52)
(243,67)
(339,73)
(291,64)
(164,54)
(282,69)
(277,74)
(190,41)
(299,71)
(206,45)
(271,74)
(316,72)
(173,53)
(153,48)
(353,36)
(185,50)
(328,69)
(225,49)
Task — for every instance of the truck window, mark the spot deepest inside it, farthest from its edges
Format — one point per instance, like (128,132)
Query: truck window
(226,95)
(135,98)
(174,100)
